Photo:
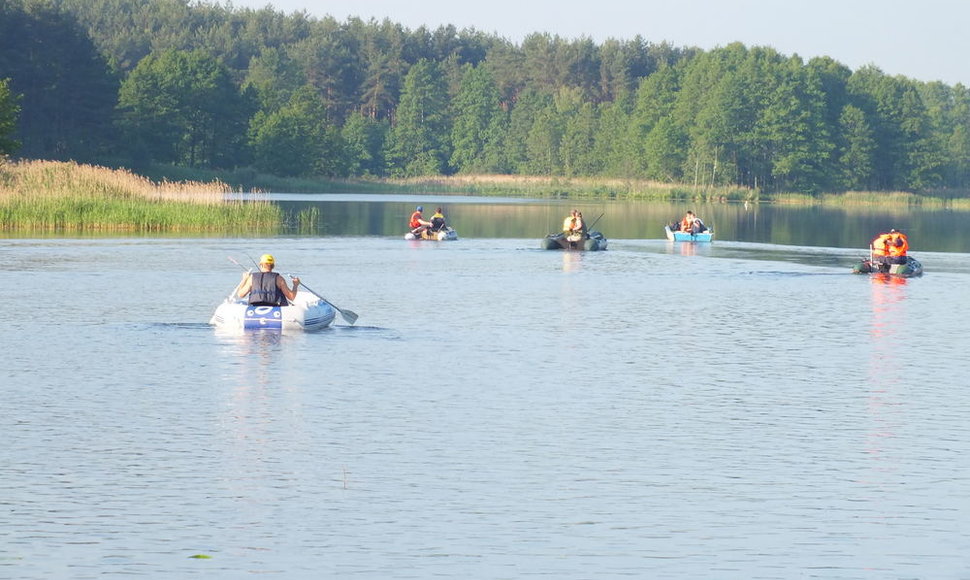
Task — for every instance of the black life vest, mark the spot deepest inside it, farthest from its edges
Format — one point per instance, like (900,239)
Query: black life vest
(264,291)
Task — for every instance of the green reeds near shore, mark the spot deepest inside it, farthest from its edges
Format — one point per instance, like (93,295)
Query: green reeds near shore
(49,196)
(571,188)
(644,190)
(63,196)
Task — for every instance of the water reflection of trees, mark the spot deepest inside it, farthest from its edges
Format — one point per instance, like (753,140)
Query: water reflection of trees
(841,227)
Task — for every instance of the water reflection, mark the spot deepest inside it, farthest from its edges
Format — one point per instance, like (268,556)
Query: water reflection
(253,354)
(682,248)
(249,342)
(260,420)
(842,227)
(884,372)
(888,294)
(572,261)
(688,248)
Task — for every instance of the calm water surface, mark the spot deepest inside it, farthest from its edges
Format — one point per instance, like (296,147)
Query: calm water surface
(734,410)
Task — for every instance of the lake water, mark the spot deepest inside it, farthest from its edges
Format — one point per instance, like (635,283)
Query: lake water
(743,409)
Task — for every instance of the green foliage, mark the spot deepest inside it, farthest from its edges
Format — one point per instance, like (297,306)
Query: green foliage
(364,139)
(297,140)
(207,85)
(8,118)
(857,152)
(275,77)
(479,126)
(183,108)
(68,92)
(418,143)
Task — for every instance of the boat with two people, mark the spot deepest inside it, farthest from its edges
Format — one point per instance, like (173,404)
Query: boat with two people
(889,255)
(575,235)
(436,229)
(689,229)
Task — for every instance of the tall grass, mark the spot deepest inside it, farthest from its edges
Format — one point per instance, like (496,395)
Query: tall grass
(65,196)
(571,188)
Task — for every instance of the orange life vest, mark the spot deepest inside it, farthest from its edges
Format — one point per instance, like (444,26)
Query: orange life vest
(880,245)
(415,220)
(898,244)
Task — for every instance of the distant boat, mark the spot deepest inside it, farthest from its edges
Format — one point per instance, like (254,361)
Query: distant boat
(679,236)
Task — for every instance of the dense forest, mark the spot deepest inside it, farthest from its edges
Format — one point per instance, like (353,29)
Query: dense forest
(133,83)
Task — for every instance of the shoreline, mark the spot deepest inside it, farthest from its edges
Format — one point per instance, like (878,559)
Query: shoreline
(55,196)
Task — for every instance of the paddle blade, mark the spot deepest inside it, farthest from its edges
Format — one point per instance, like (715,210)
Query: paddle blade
(349,315)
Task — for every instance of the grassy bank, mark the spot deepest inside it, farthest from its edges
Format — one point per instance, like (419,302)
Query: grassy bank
(483,185)
(602,188)
(573,188)
(47,196)
(565,188)
(63,196)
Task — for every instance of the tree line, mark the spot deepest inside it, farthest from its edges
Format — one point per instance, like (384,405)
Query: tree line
(139,82)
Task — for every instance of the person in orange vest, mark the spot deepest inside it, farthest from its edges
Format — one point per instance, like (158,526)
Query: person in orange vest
(897,246)
(880,249)
(418,224)
(692,224)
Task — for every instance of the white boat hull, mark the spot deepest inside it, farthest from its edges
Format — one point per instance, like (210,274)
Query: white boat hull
(441,235)
(307,313)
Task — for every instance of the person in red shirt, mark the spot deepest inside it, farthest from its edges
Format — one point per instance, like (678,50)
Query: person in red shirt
(418,224)
(692,224)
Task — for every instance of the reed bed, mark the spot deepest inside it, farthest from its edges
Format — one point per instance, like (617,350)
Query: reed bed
(930,200)
(581,188)
(571,188)
(66,196)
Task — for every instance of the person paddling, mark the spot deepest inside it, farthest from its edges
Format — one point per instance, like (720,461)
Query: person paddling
(266,287)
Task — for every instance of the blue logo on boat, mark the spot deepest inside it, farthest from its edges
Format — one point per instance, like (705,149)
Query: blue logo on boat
(263,318)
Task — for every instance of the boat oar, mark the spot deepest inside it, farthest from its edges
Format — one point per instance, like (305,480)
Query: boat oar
(233,294)
(233,260)
(349,315)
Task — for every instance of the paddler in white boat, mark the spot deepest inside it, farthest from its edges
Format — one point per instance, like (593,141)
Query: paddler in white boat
(266,287)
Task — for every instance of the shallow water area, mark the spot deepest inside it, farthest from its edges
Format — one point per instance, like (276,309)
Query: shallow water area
(739,409)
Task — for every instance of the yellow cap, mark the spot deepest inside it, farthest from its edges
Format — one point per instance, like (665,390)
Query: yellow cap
(266,259)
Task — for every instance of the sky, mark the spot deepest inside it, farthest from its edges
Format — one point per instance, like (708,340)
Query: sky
(926,40)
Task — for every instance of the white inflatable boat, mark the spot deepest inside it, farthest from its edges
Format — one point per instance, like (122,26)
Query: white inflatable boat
(306,313)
